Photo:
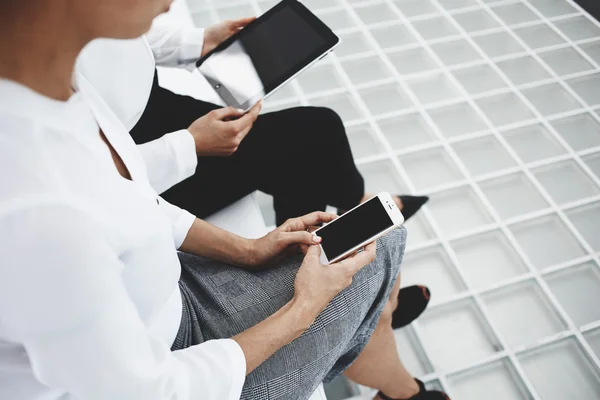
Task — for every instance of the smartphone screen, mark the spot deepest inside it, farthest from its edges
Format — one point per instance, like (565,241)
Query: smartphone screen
(354,227)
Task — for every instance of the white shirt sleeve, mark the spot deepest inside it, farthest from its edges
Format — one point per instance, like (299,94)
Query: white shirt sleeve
(181,220)
(175,47)
(170,159)
(62,297)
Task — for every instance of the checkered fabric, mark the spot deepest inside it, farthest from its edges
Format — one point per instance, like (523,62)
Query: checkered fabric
(220,301)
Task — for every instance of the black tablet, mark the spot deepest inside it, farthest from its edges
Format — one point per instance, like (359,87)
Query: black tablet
(266,54)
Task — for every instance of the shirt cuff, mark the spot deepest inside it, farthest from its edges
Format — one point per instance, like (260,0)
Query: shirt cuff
(192,42)
(182,227)
(232,356)
(184,147)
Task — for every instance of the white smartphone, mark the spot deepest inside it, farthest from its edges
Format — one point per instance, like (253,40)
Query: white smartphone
(358,227)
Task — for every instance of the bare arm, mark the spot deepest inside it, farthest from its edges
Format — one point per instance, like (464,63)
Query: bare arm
(206,240)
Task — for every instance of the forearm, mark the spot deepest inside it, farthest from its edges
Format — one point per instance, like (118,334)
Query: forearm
(262,340)
(206,240)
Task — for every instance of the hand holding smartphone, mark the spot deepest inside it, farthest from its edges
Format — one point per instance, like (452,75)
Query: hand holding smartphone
(358,227)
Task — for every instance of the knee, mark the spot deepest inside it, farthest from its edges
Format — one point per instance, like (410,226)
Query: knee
(387,314)
(330,120)
(392,248)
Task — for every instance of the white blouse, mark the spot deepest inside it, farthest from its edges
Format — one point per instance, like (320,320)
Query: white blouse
(89,298)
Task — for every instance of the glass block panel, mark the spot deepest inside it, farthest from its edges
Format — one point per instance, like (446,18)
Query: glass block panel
(433,88)
(522,314)
(539,36)
(523,70)
(203,18)
(433,268)
(578,28)
(384,99)
(411,352)
(516,13)
(412,61)
(419,229)
(495,381)
(285,93)
(553,8)
(366,69)
(566,61)
(316,4)
(580,131)
(381,176)
(588,88)
(456,4)
(337,19)
(504,109)
(392,36)
(240,11)
(456,335)
(405,131)
(578,290)
(416,8)
(353,43)
(533,143)
(455,52)
(587,221)
(457,119)
(498,44)
(592,50)
(458,210)
(565,182)
(343,104)
(593,161)
(363,142)
(559,245)
(593,338)
(434,385)
(435,28)
(319,78)
(513,195)
(375,13)
(483,155)
(551,99)
(430,168)
(479,79)
(561,371)
(477,20)
(487,259)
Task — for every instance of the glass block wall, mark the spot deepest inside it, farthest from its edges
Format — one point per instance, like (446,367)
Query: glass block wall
(491,108)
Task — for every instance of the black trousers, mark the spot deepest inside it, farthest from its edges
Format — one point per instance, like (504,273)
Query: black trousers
(300,156)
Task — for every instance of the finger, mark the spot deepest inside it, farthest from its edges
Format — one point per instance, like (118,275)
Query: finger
(301,237)
(227,112)
(242,135)
(315,218)
(359,260)
(313,252)
(311,229)
(240,23)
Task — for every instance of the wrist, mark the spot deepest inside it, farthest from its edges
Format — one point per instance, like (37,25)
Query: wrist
(304,313)
(247,252)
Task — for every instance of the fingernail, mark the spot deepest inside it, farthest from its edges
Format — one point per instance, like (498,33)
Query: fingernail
(239,110)
(316,239)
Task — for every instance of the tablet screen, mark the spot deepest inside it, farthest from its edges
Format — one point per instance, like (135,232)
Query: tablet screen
(265,56)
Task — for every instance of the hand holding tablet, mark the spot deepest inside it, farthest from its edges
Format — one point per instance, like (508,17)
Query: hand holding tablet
(266,54)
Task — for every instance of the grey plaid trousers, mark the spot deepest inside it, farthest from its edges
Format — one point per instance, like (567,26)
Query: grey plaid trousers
(220,301)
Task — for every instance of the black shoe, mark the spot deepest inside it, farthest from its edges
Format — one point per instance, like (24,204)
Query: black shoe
(423,394)
(412,301)
(412,204)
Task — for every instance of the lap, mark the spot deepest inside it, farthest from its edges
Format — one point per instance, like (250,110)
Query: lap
(224,301)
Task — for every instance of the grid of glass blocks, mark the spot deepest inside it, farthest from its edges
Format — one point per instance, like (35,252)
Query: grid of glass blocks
(492,108)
